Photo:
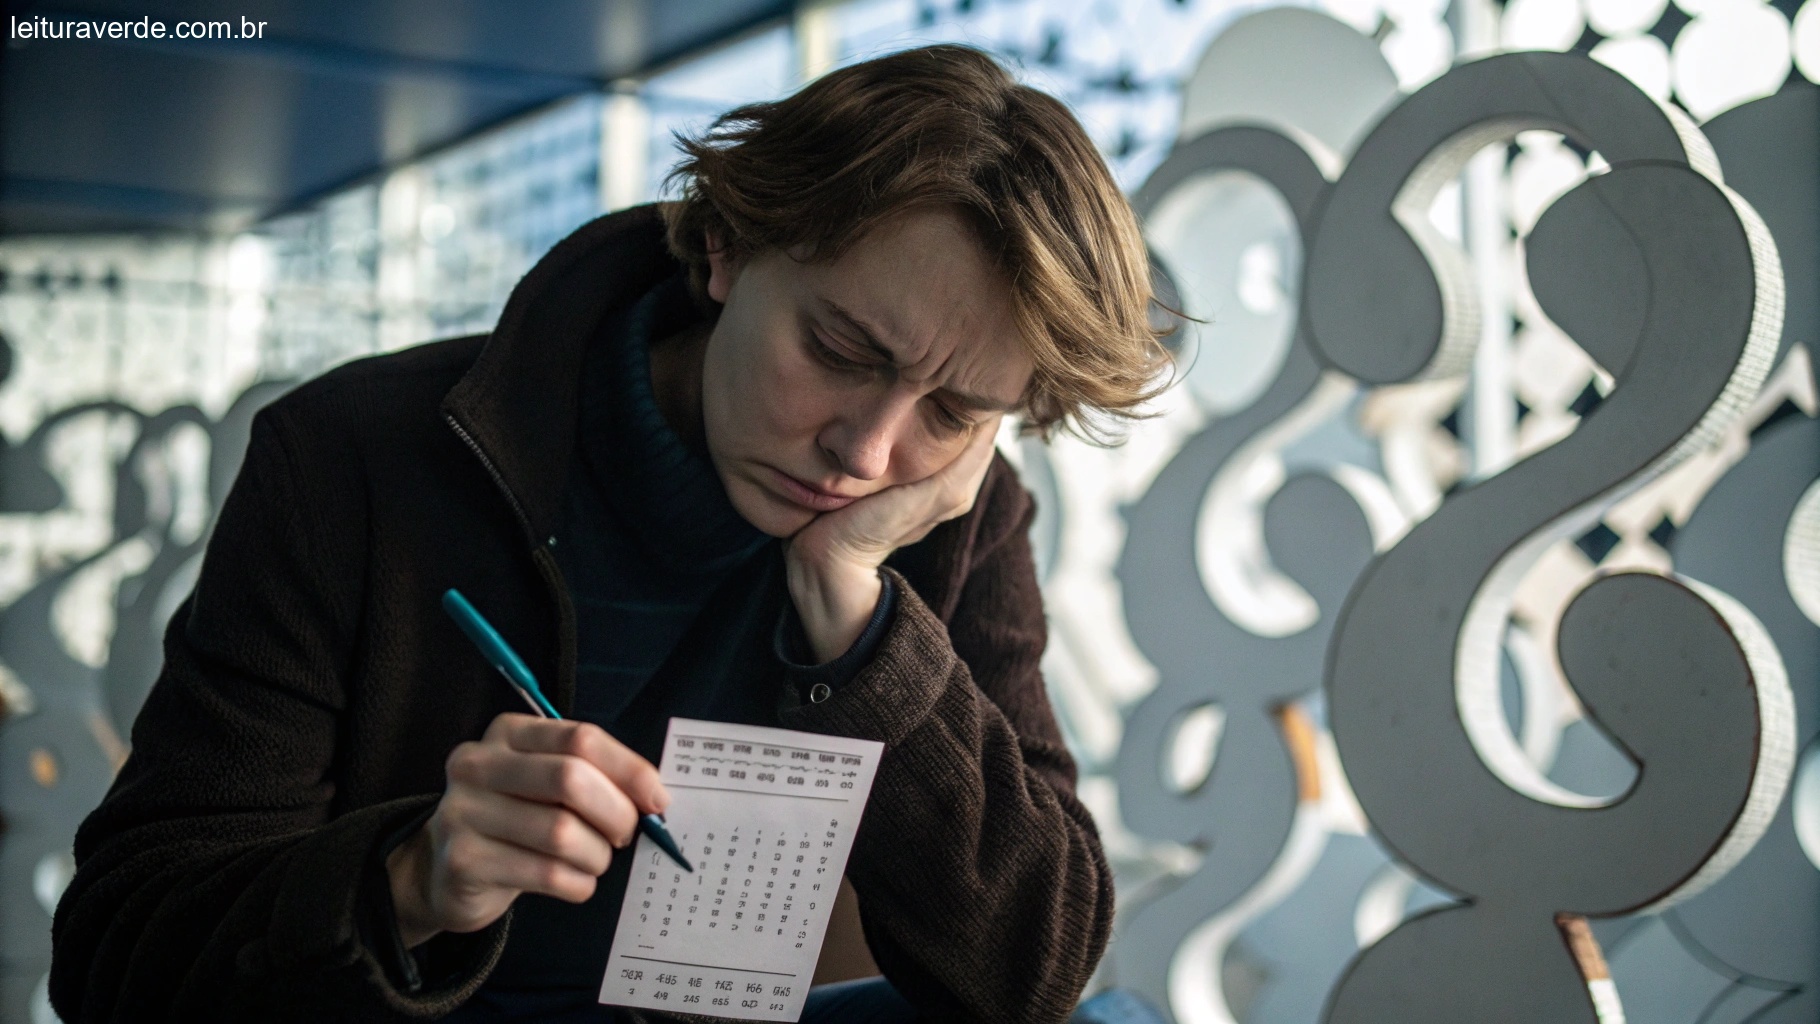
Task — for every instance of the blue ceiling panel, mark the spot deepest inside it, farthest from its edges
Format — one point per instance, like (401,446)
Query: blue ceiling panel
(187,134)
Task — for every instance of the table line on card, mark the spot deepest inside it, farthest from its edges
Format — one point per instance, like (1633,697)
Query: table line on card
(705,967)
(756,792)
(850,772)
(858,758)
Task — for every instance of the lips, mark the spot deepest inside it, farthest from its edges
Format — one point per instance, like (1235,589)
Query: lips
(806,495)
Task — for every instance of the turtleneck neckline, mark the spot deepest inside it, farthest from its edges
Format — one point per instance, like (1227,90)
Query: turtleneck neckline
(666,494)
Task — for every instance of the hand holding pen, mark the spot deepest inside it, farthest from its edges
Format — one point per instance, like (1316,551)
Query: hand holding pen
(495,649)
(534,805)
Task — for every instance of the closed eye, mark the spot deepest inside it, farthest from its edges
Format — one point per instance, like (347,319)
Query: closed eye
(834,357)
(951,421)
(831,355)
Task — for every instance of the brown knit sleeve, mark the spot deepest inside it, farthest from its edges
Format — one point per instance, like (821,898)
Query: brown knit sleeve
(213,881)
(982,886)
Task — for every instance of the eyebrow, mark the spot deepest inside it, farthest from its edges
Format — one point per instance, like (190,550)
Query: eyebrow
(869,336)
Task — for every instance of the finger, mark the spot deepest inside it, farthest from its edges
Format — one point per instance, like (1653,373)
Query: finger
(981,446)
(950,491)
(474,861)
(532,732)
(868,530)
(561,779)
(977,456)
(542,828)
(971,462)
(635,776)
(509,722)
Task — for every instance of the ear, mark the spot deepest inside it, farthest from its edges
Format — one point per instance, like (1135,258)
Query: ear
(723,269)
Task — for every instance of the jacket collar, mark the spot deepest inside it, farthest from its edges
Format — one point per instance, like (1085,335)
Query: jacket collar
(517,405)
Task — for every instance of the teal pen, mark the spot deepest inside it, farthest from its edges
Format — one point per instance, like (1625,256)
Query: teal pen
(502,657)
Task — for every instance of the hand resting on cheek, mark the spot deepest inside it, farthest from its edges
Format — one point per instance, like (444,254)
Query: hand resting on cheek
(833,562)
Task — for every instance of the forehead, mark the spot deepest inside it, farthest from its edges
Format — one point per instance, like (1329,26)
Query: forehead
(924,285)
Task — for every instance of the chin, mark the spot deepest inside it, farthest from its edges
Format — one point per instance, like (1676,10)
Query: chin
(767,512)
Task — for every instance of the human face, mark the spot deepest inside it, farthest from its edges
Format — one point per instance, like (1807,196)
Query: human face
(824,382)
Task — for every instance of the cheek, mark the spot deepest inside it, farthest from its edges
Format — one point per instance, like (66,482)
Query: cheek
(797,395)
(715,411)
(759,394)
(798,402)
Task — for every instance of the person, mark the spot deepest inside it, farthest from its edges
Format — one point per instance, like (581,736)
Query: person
(729,457)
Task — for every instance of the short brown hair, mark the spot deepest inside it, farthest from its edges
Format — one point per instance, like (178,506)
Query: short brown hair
(946,125)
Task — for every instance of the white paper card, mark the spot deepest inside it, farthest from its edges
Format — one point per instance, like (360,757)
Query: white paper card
(767,817)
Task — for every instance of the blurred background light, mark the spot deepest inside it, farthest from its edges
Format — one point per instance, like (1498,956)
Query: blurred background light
(1642,59)
(462,171)
(1732,52)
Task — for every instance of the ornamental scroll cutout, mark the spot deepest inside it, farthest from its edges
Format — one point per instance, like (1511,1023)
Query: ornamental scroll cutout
(67,716)
(1242,814)
(1748,949)
(1757,924)
(1680,675)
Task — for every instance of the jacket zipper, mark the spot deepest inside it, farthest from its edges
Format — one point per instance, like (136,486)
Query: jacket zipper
(524,521)
(541,555)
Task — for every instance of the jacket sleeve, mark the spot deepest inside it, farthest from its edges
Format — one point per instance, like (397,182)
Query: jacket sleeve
(215,881)
(982,887)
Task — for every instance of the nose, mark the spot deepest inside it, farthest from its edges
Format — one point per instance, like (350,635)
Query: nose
(860,439)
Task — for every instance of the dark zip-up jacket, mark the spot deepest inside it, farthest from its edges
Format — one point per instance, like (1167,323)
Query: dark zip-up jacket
(312,689)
